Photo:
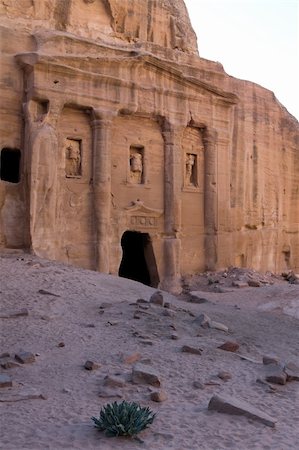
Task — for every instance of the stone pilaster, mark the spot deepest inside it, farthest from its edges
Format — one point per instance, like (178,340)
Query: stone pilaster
(210,198)
(101,126)
(172,135)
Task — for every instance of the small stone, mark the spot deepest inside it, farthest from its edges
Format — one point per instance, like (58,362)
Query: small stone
(198,384)
(254,283)
(276,374)
(141,301)
(107,393)
(203,320)
(91,365)
(167,305)
(225,376)
(5,381)
(196,297)
(105,305)
(240,284)
(131,358)
(114,381)
(192,350)
(229,346)
(157,298)
(158,396)
(136,315)
(112,322)
(292,371)
(25,357)
(169,313)
(239,407)
(4,355)
(143,374)
(146,342)
(44,292)
(61,344)
(22,394)
(10,365)
(175,336)
(13,314)
(218,326)
(270,360)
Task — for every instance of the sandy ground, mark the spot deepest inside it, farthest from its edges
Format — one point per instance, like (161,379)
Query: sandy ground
(68,328)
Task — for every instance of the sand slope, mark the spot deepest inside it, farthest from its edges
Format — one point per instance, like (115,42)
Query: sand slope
(257,319)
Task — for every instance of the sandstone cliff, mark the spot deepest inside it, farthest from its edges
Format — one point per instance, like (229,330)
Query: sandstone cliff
(218,182)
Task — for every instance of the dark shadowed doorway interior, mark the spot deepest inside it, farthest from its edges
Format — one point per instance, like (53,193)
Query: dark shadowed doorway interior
(138,262)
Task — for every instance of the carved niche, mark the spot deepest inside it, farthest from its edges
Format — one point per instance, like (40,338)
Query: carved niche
(73,158)
(136,164)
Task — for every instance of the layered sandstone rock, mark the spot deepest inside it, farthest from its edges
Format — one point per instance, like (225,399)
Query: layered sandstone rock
(123,150)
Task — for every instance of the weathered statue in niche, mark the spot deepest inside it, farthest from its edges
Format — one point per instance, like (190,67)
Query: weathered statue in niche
(43,143)
(136,166)
(72,158)
(190,170)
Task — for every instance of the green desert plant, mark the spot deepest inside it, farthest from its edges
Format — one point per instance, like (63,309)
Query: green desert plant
(123,419)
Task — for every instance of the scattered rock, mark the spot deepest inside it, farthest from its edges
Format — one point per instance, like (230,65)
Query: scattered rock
(270,360)
(167,305)
(169,313)
(91,365)
(5,381)
(141,301)
(105,305)
(175,336)
(240,284)
(13,314)
(265,383)
(4,355)
(196,297)
(218,326)
(292,371)
(61,344)
(198,384)
(112,322)
(254,283)
(192,350)
(225,376)
(107,393)
(136,315)
(146,342)
(157,298)
(229,346)
(158,396)
(10,365)
(25,357)
(143,374)
(131,358)
(239,407)
(22,394)
(114,381)
(44,292)
(203,320)
(276,374)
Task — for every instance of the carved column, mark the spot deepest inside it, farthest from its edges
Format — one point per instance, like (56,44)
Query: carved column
(172,135)
(210,198)
(102,125)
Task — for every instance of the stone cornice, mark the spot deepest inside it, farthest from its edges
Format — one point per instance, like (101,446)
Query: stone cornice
(166,68)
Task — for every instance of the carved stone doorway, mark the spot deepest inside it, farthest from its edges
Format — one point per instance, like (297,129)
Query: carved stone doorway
(138,262)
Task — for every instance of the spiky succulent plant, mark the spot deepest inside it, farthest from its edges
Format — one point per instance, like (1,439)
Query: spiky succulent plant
(123,419)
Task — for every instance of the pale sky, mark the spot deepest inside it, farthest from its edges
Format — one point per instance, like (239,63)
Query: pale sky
(255,40)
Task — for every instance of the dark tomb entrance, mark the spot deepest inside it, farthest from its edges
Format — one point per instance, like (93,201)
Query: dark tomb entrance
(138,262)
